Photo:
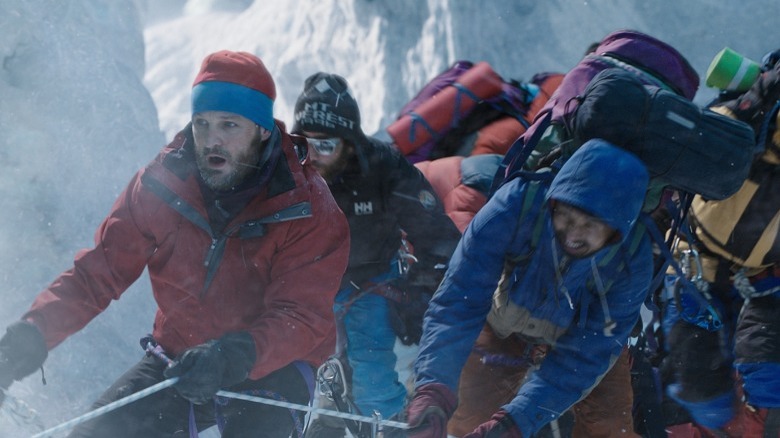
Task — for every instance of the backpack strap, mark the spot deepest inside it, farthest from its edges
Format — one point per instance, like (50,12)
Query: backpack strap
(635,238)
(512,164)
(698,309)
(765,127)
(531,199)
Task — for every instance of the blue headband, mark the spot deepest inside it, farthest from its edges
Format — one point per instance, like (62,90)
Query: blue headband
(233,98)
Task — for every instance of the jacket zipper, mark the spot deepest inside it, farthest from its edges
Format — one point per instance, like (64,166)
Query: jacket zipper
(210,252)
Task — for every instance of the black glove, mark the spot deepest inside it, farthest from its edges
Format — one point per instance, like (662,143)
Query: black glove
(752,106)
(419,285)
(205,368)
(697,363)
(426,273)
(22,351)
(406,317)
(769,60)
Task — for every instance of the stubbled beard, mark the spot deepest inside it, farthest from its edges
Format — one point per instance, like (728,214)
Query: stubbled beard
(336,168)
(328,173)
(219,181)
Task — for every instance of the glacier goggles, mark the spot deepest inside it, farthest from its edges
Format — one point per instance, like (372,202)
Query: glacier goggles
(324,146)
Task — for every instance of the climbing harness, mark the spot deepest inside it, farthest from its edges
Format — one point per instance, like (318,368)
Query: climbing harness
(690,291)
(153,348)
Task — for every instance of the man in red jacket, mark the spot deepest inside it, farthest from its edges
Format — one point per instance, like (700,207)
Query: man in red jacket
(245,248)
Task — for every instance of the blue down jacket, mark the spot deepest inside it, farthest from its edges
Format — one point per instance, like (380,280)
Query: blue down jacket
(584,308)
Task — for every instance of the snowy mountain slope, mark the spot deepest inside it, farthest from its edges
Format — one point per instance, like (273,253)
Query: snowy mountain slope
(388,50)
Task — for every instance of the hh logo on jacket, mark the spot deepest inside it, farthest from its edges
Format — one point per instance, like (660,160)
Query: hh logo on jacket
(363,208)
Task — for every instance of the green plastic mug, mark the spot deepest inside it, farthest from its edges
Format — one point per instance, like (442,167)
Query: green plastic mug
(731,71)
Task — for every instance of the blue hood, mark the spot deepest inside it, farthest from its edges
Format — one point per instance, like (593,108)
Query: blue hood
(604,180)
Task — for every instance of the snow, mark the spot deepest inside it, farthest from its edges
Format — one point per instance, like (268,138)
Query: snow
(91,89)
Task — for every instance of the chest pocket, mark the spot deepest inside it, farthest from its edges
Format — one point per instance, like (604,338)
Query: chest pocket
(506,317)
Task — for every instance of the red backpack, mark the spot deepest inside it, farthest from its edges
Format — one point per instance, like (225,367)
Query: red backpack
(459,102)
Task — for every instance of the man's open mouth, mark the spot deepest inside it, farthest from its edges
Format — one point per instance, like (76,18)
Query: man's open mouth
(216,161)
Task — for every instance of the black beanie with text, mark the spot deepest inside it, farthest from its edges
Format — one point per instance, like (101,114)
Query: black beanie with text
(327,106)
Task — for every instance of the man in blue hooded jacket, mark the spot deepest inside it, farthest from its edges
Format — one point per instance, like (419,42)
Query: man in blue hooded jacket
(560,264)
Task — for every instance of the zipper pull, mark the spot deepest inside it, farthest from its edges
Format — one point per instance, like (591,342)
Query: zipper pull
(210,252)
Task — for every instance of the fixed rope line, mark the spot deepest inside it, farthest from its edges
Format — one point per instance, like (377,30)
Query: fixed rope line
(170,382)
(108,408)
(319,411)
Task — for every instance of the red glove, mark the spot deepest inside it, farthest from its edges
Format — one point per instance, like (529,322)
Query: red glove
(429,411)
(500,425)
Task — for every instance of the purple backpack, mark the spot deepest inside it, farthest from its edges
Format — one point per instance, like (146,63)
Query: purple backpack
(654,62)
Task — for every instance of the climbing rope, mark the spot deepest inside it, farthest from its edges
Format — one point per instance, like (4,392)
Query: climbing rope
(376,421)
(152,348)
(108,408)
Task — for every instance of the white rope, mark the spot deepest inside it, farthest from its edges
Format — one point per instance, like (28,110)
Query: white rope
(108,408)
(319,411)
(167,383)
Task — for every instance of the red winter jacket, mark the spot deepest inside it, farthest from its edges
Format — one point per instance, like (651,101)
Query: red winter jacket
(274,275)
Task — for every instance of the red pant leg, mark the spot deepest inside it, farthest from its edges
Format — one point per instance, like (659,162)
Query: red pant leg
(485,387)
(607,410)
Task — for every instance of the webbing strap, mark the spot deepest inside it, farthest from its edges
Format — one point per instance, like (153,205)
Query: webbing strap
(456,117)
(763,132)
(458,97)
(308,376)
(530,199)
(637,233)
(707,317)
(416,118)
(678,220)
(518,153)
